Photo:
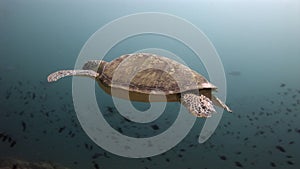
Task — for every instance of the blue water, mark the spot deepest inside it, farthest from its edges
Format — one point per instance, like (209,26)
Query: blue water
(259,46)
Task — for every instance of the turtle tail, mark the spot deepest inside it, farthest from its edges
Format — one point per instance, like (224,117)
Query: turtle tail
(63,73)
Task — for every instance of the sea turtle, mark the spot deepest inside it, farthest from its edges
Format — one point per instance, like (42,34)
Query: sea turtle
(145,74)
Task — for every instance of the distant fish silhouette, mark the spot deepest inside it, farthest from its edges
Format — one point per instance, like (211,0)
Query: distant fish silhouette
(61,129)
(222,157)
(96,166)
(13,144)
(155,127)
(272,164)
(96,155)
(33,96)
(86,146)
(280,149)
(8,138)
(238,164)
(23,126)
(110,109)
(235,73)
(4,138)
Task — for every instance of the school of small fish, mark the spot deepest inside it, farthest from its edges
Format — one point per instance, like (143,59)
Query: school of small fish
(42,116)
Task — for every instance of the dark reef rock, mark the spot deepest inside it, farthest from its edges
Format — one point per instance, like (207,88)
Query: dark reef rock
(10,163)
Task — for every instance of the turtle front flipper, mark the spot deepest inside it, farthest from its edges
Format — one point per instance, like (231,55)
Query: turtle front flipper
(199,106)
(219,103)
(63,73)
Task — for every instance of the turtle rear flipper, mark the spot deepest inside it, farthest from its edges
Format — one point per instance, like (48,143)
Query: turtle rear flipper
(63,73)
(219,103)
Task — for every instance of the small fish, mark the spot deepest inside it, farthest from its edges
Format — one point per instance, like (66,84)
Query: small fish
(155,127)
(9,139)
(238,153)
(8,94)
(280,149)
(223,157)
(61,129)
(282,85)
(238,164)
(13,144)
(96,155)
(96,166)
(272,164)
(109,109)
(86,145)
(23,126)
(4,138)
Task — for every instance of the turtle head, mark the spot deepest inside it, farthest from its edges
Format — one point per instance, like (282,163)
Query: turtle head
(94,65)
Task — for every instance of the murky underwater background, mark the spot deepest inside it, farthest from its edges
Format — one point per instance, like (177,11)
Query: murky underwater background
(258,43)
